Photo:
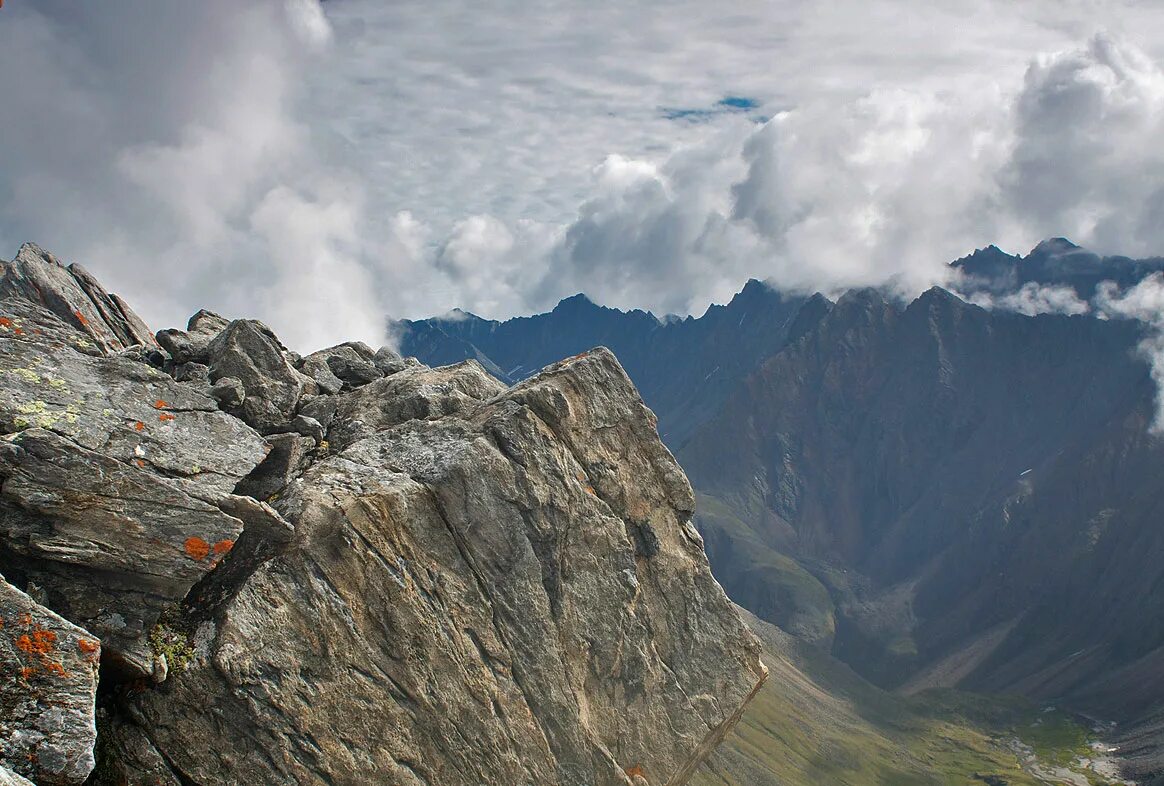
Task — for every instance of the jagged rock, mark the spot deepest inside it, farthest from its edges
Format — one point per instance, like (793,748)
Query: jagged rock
(192,372)
(74,296)
(308,427)
(388,360)
(290,455)
(49,684)
(192,345)
(207,323)
(109,466)
(462,604)
(416,392)
(229,393)
(111,543)
(127,411)
(249,352)
(482,586)
(25,322)
(317,369)
(351,364)
(321,409)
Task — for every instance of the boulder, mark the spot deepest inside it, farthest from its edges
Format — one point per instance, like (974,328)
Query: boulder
(388,360)
(317,369)
(351,364)
(472,576)
(47,726)
(192,345)
(247,351)
(112,544)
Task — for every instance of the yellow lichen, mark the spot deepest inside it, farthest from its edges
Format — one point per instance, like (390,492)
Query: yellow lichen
(28,375)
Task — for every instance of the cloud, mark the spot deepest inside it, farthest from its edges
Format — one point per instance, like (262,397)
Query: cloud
(1144,302)
(1083,159)
(1033,298)
(163,146)
(286,160)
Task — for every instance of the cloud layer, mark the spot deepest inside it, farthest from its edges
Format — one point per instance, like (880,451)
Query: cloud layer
(322,167)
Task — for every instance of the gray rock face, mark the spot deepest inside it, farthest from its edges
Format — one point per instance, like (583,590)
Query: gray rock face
(47,728)
(417,392)
(290,455)
(454,583)
(112,544)
(75,297)
(351,365)
(109,468)
(388,360)
(473,577)
(249,352)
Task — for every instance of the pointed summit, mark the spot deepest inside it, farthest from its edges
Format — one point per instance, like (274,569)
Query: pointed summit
(1055,246)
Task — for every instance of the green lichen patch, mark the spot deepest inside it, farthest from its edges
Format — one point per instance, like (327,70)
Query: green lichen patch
(173,645)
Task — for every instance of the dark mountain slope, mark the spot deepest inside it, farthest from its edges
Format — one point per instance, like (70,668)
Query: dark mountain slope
(948,473)
(684,368)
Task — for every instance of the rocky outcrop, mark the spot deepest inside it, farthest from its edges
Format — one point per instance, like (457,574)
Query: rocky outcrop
(47,729)
(453,582)
(111,476)
(74,296)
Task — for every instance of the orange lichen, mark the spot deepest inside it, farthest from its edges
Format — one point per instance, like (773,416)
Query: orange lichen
(636,770)
(165,417)
(159,404)
(5,322)
(40,642)
(139,462)
(88,646)
(81,318)
(17,331)
(223,546)
(27,672)
(56,669)
(25,619)
(590,490)
(196,548)
(139,426)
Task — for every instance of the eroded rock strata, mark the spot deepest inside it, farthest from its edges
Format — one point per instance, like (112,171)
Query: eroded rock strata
(344,568)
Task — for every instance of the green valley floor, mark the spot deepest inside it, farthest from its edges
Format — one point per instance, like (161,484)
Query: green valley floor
(817,723)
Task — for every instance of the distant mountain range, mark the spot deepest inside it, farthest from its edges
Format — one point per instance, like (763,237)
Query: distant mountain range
(936,493)
(1056,261)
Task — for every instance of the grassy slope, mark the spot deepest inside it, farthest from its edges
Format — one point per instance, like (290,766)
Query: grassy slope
(817,723)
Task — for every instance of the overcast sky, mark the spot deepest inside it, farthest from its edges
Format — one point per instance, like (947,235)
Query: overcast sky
(321,167)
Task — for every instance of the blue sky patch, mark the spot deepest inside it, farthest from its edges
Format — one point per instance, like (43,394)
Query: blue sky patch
(725,106)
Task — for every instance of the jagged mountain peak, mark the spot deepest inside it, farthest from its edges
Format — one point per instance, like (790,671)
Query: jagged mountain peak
(1056,246)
